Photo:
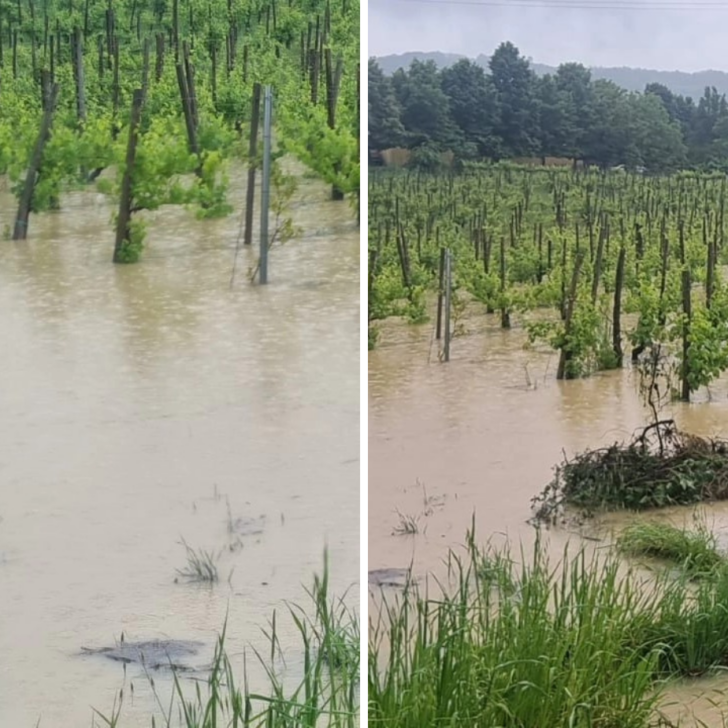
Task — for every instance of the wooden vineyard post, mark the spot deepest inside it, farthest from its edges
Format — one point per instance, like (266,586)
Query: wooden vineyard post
(20,231)
(617,311)
(265,191)
(116,84)
(186,82)
(145,70)
(79,79)
(175,30)
(125,204)
(314,71)
(710,264)
(252,165)
(213,76)
(333,82)
(565,355)
(46,82)
(687,317)
(448,300)
(440,294)
(191,86)
(505,313)
(665,255)
(159,63)
(403,250)
(79,76)
(110,29)
(603,238)
(102,57)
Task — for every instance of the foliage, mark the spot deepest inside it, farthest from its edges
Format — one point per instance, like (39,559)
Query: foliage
(517,233)
(659,467)
(426,158)
(131,249)
(231,45)
(517,640)
(373,337)
(694,551)
(509,111)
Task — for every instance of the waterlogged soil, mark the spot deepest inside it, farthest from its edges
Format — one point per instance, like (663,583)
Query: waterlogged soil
(472,441)
(145,405)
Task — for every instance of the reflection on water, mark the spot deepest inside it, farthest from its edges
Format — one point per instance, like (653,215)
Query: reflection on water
(135,402)
(481,435)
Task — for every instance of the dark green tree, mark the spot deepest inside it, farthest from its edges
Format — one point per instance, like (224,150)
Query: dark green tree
(385,125)
(513,113)
(657,137)
(608,141)
(425,107)
(515,86)
(574,85)
(554,121)
(705,126)
(679,108)
(473,106)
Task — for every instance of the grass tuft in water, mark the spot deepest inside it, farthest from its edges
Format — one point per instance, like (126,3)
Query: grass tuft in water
(201,565)
(328,694)
(408,525)
(694,551)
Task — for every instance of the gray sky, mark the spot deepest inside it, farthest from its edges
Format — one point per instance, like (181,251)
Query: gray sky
(692,38)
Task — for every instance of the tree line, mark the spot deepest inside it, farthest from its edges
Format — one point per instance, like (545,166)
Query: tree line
(509,112)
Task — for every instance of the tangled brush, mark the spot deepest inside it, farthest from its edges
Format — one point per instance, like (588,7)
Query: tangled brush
(661,466)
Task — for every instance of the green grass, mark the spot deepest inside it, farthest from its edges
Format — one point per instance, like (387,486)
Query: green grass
(576,644)
(694,551)
(408,525)
(327,695)
(201,565)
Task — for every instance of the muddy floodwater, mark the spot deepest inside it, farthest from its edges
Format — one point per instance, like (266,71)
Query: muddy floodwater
(146,404)
(481,434)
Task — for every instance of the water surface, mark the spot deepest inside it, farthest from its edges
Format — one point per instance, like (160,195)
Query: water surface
(136,402)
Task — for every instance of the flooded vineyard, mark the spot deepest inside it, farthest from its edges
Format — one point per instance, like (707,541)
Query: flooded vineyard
(478,437)
(147,406)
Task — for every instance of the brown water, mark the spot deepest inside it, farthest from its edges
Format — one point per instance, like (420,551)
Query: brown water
(481,434)
(134,403)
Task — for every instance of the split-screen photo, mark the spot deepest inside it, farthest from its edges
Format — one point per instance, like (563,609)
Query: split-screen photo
(363,363)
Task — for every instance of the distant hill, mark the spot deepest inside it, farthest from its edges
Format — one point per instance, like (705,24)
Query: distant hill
(632,79)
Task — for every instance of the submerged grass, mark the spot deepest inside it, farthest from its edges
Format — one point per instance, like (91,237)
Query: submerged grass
(408,525)
(201,565)
(327,695)
(695,551)
(570,645)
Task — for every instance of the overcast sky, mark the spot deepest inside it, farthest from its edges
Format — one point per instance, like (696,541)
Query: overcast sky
(691,39)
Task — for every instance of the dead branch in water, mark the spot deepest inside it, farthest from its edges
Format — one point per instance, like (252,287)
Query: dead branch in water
(660,466)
